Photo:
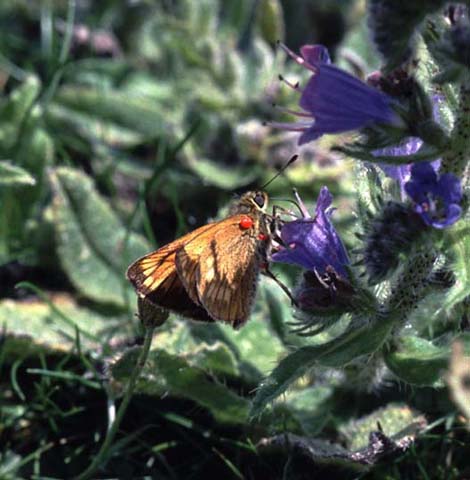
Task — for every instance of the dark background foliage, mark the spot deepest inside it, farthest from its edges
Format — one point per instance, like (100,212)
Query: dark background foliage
(122,126)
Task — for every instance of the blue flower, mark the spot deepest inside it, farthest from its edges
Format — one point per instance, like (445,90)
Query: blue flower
(436,197)
(409,146)
(402,173)
(333,100)
(313,243)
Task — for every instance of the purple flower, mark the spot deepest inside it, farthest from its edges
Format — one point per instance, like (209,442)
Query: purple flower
(409,146)
(436,197)
(402,173)
(399,172)
(313,243)
(333,100)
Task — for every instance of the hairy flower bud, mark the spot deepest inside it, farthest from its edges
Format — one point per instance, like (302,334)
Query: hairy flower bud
(390,234)
(452,49)
(150,314)
(393,23)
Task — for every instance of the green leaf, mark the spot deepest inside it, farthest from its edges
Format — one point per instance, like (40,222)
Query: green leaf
(173,374)
(259,349)
(70,124)
(33,326)
(353,343)
(424,154)
(418,361)
(270,20)
(135,112)
(310,407)
(18,105)
(216,358)
(33,153)
(94,247)
(222,177)
(459,249)
(395,420)
(255,347)
(11,175)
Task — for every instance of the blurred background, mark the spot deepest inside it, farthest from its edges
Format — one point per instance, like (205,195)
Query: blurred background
(123,125)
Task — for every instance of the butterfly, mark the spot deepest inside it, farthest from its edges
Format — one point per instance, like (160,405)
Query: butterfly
(211,273)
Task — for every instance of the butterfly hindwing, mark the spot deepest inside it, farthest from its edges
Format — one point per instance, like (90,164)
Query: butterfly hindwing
(172,295)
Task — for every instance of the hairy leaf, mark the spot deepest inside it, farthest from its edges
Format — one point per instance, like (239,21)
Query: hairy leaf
(353,343)
(31,326)
(11,175)
(418,361)
(93,245)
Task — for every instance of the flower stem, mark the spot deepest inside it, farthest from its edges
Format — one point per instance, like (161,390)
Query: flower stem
(101,457)
(413,284)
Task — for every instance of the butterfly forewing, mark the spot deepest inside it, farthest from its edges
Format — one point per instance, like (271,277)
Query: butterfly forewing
(220,270)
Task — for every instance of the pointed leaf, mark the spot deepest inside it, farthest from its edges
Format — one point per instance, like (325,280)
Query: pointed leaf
(459,248)
(393,419)
(31,326)
(11,175)
(135,112)
(418,361)
(353,343)
(222,177)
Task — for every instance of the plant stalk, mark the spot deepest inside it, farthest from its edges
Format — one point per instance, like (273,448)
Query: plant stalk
(101,457)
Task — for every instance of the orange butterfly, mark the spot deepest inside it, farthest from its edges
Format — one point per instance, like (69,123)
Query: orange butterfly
(211,273)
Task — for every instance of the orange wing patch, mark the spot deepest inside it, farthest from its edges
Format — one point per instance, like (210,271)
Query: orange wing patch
(196,250)
(149,272)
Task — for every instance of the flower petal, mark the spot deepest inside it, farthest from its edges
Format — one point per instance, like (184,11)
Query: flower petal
(315,54)
(436,198)
(336,100)
(313,243)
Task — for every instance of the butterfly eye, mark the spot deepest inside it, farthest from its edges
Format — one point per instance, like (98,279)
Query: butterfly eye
(259,200)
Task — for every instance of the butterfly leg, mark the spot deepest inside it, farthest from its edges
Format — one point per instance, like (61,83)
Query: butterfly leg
(266,271)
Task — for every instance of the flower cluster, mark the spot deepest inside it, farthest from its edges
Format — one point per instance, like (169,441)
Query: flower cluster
(334,101)
(436,198)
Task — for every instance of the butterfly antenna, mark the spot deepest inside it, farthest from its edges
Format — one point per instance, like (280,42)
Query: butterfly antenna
(290,162)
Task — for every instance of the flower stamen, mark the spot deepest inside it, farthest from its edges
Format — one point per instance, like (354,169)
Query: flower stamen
(295,86)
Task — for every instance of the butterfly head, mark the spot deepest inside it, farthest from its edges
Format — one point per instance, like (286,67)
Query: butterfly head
(254,201)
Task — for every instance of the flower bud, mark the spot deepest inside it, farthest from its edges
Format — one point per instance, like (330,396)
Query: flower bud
(390,234)
(393,23)
(326,295)
(452,49)
(150,314)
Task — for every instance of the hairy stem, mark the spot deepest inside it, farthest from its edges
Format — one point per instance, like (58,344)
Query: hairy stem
(457,159)
(412,286)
